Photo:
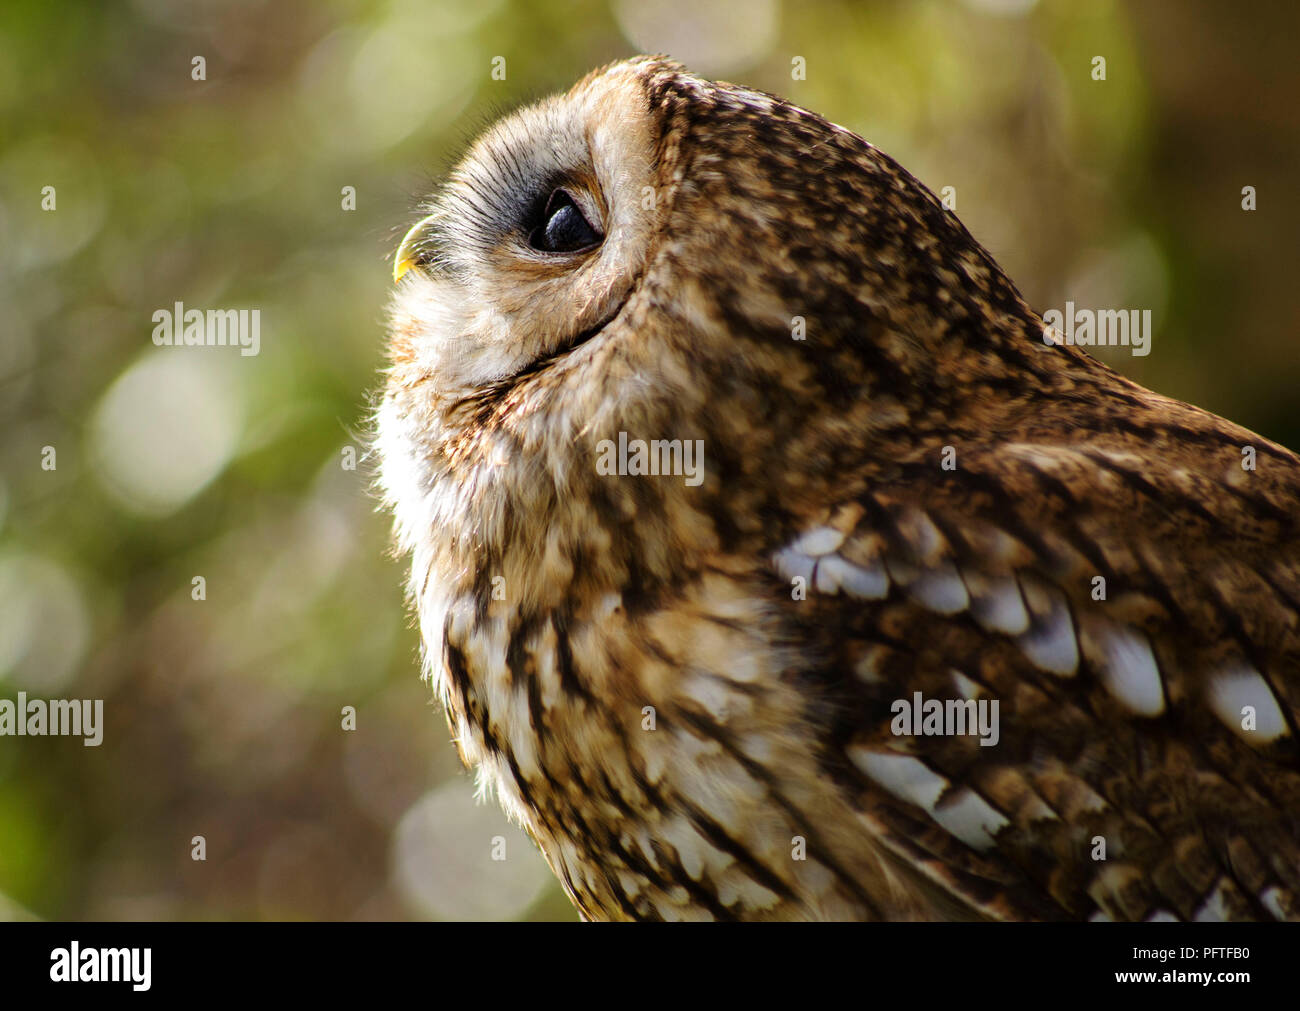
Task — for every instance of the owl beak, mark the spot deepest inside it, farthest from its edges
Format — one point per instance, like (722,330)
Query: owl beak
(407,251)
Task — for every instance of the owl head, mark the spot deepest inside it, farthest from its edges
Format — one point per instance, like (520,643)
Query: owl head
(657,258)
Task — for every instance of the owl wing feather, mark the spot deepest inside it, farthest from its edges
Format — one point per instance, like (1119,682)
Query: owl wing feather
(1135,616)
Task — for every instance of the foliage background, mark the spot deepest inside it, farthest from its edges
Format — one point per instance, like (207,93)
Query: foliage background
(223,715)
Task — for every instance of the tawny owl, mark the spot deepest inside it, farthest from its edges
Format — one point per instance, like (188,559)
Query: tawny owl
(772,563)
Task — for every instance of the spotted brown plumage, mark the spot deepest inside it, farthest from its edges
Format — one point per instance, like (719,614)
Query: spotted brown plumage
(686,691)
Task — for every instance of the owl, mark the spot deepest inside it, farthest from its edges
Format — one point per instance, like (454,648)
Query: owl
(774,560)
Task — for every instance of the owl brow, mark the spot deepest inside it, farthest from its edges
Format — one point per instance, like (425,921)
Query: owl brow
(456,220)
(510,185)
(505,184)
(477,207)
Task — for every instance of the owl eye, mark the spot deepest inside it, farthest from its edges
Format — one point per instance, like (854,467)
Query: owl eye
(563,228)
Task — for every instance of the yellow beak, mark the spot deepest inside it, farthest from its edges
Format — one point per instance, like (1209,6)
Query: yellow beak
(407,251)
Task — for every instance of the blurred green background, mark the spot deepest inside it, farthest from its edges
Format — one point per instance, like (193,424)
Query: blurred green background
(223,715)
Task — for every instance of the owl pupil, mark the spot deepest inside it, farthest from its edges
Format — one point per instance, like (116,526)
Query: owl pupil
(565,229)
